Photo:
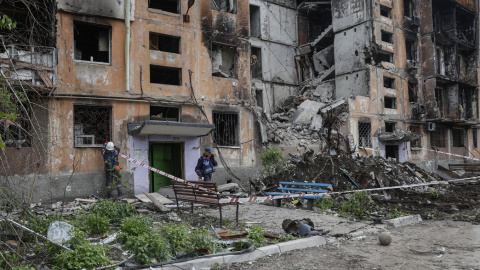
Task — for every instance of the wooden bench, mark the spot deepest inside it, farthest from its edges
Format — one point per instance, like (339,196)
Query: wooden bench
(184,192)
(300,187)
(469,168)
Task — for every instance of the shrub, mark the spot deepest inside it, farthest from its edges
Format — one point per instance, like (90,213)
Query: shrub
(256,236)
(97,224)
(285,238)
(113,210)
(149,246)
(273,161)
(395,213)
(134,226)
(432,192)
(324,204)
(84,256)
(358,205)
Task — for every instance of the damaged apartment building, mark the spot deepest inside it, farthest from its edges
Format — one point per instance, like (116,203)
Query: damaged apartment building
(163,79)
(405,70)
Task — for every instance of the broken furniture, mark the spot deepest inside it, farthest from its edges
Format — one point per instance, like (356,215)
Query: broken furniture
(300,187)
(469,168)
(184,192)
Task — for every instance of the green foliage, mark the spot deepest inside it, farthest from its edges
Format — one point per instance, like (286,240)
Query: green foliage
(273,161)
(149,247)
(97,224)
(113,210)
(256,236)
(358,205)
(84,256)
(395,213)
(12,262)
(286,238)
(432,193)
(183,239)
(241,245)
(324,204)
(134,225)
(7,23)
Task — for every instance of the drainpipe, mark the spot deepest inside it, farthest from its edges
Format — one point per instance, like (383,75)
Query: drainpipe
(127,45)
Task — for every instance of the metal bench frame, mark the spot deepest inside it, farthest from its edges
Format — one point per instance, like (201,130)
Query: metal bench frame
(278,202)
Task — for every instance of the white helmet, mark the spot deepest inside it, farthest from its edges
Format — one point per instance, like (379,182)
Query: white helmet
(110,146)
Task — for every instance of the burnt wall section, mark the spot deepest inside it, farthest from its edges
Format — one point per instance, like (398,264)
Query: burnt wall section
(347,13)
(352,47)
(110,9)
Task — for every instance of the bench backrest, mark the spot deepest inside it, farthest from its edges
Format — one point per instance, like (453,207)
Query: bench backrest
(184,191)
(303,187)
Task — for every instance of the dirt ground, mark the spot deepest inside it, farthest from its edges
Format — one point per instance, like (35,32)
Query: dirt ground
(432,244)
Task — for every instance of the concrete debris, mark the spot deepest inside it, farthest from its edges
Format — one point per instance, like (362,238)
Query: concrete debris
(404,221)
(306,111)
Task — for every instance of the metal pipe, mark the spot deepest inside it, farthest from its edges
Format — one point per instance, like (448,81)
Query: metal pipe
(127,45)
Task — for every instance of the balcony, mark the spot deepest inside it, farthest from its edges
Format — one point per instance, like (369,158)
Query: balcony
(27,65)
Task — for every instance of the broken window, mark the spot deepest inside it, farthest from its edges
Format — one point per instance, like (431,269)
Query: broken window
(164,43)
(438,137)
(165,75)
(410,49)
(385,11)
(385,57)
(390,103)
(412,92)
(364,134)
(259,97)
(390,126)
(226,129)
(165,113)
(16,133)
(440,59)
(387,37)
(458,137)
(465,22)
(255,28)
(439,98)
(91,42)
(444,18)
(229,6)
(475,138)
(92,125)
(224,61)
(416,130)
(408,8)
(256,63)
(172,6)
(388,82)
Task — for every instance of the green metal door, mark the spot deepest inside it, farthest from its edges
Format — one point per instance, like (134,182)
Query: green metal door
(166,157)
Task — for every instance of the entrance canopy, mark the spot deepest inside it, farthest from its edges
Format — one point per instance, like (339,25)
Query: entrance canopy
(153,127)
(399,135)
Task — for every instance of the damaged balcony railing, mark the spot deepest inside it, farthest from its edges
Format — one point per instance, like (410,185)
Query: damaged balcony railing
(35,65)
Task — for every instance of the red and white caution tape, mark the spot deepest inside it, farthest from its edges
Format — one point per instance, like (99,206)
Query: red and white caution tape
(252,199)
(450,154)
(174,178)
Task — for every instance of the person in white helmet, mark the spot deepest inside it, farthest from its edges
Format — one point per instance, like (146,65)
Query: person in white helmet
(112,168)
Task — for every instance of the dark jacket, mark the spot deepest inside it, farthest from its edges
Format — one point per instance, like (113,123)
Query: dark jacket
(205,165)
(110,157)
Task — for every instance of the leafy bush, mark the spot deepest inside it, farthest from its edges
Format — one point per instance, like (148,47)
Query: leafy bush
(273,161)
(133,226)
(149,246)
(16,262)
(395,213)
(358,205)
(256,236)
(113,210)
(84,256)
(285,238)
(183,239)
(97,224)
(324,204)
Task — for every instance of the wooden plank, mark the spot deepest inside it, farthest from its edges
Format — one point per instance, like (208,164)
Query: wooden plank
(234,236)
(160,206)
(161,199)
(45,78)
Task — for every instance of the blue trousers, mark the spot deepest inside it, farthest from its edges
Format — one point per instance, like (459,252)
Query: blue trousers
(207,177)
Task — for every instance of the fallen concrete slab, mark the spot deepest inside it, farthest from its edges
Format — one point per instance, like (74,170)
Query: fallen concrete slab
(161,199)
(247,257)
(404,221)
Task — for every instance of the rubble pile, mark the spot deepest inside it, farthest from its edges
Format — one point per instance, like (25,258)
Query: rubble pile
(367,172)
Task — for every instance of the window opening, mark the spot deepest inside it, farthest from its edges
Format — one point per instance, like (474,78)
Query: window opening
(226,129)
(91,42)
(259,97)
(16,133)
(410,49)
(364,134)
(416,130)
(256,63)
(385,57)
(458,137)
(164,43)
(438,137)
(412,92)
(391,151)
(224,61)
(92,126)
(387,37)
(229,6)
(390,103)
(385,11)
(408,8)
(165,113)
(388,82)
(390,126)
(255,28)
(475,138)
(172,6)
(165,75)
